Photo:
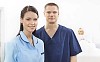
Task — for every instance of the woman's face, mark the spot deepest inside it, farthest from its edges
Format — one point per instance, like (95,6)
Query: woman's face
(29,21)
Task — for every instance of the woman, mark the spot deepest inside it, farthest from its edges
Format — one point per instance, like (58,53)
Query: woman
(25,47)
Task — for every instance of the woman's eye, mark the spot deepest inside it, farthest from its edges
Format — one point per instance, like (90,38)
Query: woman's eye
(27,19)
(35,19)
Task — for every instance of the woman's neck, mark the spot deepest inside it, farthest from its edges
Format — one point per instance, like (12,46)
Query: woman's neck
(28,34)
(29,37)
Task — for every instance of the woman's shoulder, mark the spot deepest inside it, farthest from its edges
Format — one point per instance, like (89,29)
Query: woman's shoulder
(39,40)
(12,42)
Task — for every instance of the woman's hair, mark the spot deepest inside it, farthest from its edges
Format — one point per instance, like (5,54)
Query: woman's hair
(24,10)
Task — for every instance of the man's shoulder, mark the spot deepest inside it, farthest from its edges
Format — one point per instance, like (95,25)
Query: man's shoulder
(39,32)
(66,29)
(40,29)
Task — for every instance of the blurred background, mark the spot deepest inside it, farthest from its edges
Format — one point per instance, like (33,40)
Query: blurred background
(74,14)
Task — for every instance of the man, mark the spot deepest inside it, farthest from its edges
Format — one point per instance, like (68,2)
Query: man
(61,44)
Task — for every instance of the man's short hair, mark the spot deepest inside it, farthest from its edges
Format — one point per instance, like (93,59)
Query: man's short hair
(51,4)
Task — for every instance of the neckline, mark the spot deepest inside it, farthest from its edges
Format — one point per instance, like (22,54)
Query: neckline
(54,33)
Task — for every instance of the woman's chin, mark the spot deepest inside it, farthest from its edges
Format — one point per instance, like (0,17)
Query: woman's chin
(31,31)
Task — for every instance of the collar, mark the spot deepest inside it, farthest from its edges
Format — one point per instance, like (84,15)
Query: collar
(23,36)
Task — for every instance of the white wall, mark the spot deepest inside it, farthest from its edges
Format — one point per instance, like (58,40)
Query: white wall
(2,33)
(73,14)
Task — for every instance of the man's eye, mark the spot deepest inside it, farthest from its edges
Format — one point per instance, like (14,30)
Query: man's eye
(54,12)
(48,12)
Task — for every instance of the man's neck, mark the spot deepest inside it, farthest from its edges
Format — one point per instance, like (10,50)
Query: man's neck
(51,29)
(51,26)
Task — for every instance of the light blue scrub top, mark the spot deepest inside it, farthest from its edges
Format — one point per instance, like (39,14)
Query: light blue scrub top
(20,50)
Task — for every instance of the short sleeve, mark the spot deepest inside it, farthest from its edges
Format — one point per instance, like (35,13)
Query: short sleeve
(74,45)
(9,52)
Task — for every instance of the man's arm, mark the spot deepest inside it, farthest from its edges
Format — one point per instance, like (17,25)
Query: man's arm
(73,58)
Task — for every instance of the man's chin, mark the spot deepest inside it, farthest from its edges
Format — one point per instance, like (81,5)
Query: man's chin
(52,22)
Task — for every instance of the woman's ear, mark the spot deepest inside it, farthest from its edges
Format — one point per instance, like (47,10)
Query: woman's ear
(21,20)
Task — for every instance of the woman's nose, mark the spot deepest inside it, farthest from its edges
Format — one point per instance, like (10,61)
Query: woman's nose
(32,22)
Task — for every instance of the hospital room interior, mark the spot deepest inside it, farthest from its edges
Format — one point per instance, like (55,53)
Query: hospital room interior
(83,16)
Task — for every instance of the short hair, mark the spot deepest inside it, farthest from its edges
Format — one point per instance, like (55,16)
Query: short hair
(51,4)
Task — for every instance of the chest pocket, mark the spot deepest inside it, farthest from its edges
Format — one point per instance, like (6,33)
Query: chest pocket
(28,55)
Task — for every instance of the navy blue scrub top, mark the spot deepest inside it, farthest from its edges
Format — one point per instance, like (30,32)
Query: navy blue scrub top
(61,46)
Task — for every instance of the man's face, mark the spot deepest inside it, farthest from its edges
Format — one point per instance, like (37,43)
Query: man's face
(51,13)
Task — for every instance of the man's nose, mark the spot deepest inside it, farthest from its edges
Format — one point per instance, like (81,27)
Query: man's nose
(51,14)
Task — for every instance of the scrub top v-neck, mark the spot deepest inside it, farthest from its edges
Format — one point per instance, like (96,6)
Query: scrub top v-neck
(61,46)
(53,37)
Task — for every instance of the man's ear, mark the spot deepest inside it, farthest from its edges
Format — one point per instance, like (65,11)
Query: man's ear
(58,13)
(44,13)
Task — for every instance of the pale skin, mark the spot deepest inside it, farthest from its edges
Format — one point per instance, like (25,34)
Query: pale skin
(29,25)
(52,13)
